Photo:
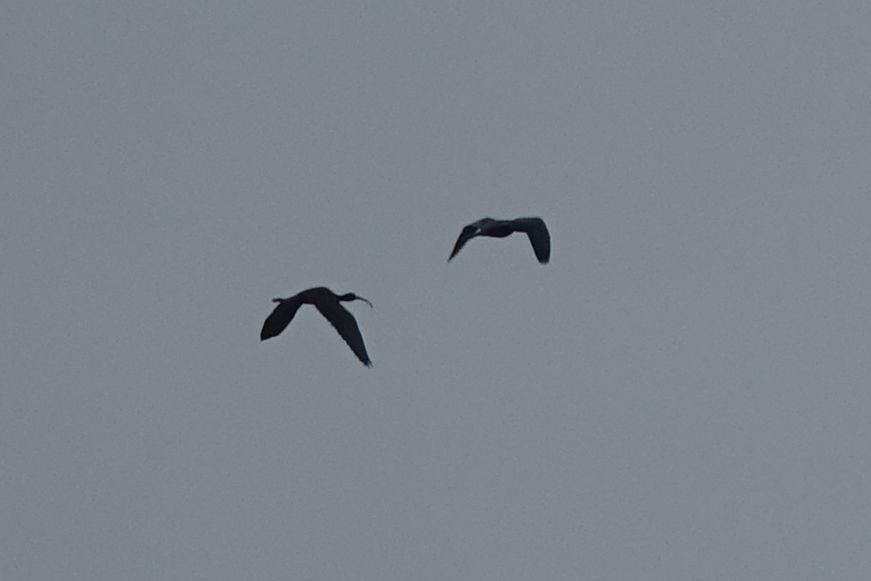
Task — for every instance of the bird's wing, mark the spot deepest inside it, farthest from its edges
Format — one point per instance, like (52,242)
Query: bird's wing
(279,318)
(345,323)
(468,232)
(539,237)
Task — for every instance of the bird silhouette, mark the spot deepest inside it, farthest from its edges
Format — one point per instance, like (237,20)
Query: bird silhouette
(328,303)
(534,228)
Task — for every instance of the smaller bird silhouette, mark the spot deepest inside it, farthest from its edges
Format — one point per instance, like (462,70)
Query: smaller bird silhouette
(534,228)
(328,303)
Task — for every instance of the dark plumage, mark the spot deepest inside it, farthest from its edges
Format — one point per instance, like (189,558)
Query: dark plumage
(328,303)
(534,228)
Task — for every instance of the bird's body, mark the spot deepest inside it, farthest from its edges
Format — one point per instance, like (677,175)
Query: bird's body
(534,228)
(329,305)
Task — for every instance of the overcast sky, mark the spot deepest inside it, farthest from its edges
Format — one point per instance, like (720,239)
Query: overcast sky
(682,393)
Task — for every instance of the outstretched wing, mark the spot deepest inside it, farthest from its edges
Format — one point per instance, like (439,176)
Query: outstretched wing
(345,323)
(279,318)
(468,232)
(539,237)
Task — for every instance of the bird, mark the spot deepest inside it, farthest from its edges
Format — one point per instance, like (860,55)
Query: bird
(534,228)
(329,305)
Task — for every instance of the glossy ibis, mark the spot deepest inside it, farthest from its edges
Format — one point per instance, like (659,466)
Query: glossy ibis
(328,303)
(532,227)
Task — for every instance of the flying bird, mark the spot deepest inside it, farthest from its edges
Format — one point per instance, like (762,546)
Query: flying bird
(534,228)
(328,303)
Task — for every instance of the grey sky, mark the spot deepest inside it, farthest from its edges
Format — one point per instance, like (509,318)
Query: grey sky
(683,393)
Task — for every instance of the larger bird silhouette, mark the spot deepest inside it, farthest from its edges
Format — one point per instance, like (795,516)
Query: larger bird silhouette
(534,228)
(329,305)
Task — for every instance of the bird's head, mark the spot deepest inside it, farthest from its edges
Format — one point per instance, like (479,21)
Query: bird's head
(353,297)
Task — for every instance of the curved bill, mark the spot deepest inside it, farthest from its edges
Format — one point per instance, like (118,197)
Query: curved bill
(359,298)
